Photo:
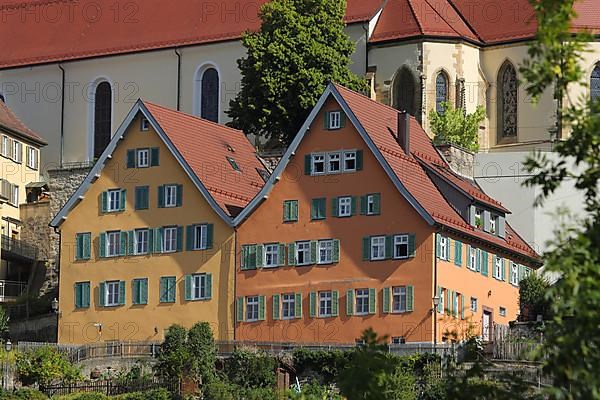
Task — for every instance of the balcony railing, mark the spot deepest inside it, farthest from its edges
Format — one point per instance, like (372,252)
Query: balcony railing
(10,290)
(17,248)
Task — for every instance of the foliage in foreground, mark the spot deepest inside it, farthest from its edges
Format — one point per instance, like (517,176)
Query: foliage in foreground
(45,365)
(454,125)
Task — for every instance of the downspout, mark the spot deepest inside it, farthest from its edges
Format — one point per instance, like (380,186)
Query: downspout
(62,118)
(435,291)
(178,102)
(235,311)
(366,29)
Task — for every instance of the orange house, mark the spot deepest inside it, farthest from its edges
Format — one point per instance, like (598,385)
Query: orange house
(363,224)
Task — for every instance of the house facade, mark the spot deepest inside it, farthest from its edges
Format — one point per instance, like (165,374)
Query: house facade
(363,224)
(147,240)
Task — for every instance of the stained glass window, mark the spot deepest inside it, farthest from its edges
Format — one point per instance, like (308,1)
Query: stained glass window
(102,117)
(441,91)
(595,83)
(507,101)
(209,103)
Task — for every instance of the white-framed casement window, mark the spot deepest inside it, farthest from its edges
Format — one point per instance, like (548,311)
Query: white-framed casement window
(325,251)
(199,287)
(142,158)
(32,157)
(252,308)
(288,306)
(169,239)
(114,200)
(14,196)
(502,312)
(200,237)
(112,293)
(514,273)
(325,304)
(362,301)
(170,195)
(472,258)
(17,155)
(350,161)
(141,241)
(400,246)
(399,298)
(378,248)
(479,218)
(145,124)
(271,255)
(318,164)
(498,268)
(302,253)
(493,224)
(474,304)
(5,146)
(441,305)
(335,120)
(334,163)
(444,248)
(371,204)
(344,206)
(113,243)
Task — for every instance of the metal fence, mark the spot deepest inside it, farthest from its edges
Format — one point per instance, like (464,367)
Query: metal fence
(18,248)
(111,387)
(78,354)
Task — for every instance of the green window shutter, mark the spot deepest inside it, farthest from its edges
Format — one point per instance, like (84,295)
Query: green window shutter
(295,210)
(87,246)
(179,195)
(323,208)
(326,120)
(478,260)
(372,301)
(298,305)
(179,238)
(447,301)
(454,305)
(376,204)
(79,246)
(208,286)
(353,205)
(261,308)
(189,237)
(410,298)
(313,251)
(363,205)
(281,255)
(104,201)
(462,306)
(334,207)
(313,209)
(484,263)
(342,119)
(102,294)
(350,302)
(78,295)
(336,250)
(388,246)
(438,247)
(412,245)
(102,245)
(123,244)
(161,196)
(130,158)
(292,254)
(158,239)
(469,262)
(286,211)
(130,242)
(457,253)
(123,201)
(313,305)
(335,303)
(307,164)
(85,295)
(144,291)
(172,289)
(121,293)
(154,157)
(210,233)
(366,248)
(386,300)
(150,241)
(276,307)
(239,309)
(440,304)
(135,291)
(141,198)
(359,160)
(260,251)
(188,287)
(163,290)
(503,268)
(140,291)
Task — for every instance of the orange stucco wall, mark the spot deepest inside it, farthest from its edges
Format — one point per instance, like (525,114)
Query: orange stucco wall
(143,322)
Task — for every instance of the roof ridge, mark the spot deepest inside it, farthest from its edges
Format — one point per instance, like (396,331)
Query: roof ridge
(444,19)
(467,23)
(23,4)
(419,25)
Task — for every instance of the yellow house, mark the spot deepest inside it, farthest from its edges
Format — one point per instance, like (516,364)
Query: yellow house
(148,240)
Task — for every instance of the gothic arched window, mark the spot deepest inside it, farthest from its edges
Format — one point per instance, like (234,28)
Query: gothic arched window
(209,95)
(441,91)
(102,117)
(595,83)
(507,101)
(407,92)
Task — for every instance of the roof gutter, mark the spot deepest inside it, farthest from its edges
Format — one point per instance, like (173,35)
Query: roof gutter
(62,118)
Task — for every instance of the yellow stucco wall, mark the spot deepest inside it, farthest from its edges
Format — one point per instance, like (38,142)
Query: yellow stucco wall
(143,322)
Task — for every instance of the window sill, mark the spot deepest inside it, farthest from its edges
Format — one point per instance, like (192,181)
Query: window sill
(401,312)
(200,299)
(378,259)
(304,265)
(325,316)
(318,219)
(402,258)
(291,221)
(288,318)
(325,263)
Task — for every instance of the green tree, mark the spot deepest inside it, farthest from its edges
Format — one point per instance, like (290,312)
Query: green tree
(3,323)
(202,352)
(174,355)
(259,369)
(454,125)
(45,365)
(532,298)
(300,47)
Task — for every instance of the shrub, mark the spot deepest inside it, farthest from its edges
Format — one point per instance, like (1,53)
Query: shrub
(532,298)
(258,369)
(157,394)
(82,396)
(45,365)
(454,125)
(219,390)
(174,354)
(326,365)
(202,352)
(23,394)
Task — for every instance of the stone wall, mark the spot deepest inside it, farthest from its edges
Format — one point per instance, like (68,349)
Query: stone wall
(42,328)
(460,160)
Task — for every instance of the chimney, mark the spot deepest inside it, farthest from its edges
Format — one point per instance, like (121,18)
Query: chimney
(404,131)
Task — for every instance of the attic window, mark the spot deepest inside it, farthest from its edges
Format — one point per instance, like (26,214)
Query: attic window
(233,164)
(145,124)
(230,149)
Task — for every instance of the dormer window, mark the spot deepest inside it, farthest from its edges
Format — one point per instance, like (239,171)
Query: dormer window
(479,218)
(494,224)
(335,120)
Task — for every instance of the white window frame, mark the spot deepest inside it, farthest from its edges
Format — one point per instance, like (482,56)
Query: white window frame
(502,311)
(17,154)
(319,158)
(335,120)
(303,247)
(349,156)
(271,255)
(493,224)
(474,304)
(141,237)
(200,237)
(399,298)
(170,196)
(112,293)
(14,195)
(398,340)
(198,287)
(325,251)
(169,244)
(288,306)
(5,146)
(113,200)
(142,158)
(113,249)
(252,308)
(332,157)
(370,204)
(479,216)
(514,273)
(400,241)
(325,303)
(144,124)
(498,268)
(473,258)
(444,248)
(361,301)
(32,157)
(377,242)
(344,206)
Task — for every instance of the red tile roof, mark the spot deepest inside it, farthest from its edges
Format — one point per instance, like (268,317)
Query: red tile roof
(9,121)
(43,31)
(380,122)
(205,146)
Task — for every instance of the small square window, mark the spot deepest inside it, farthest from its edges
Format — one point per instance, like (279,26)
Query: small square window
(502,312)
(333,162)
(378,248)
(234,164)
(145,124)
(344,206)
(318,164)
(142,158)
(398,340)
(473,304)
(302,253)
(335,120)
